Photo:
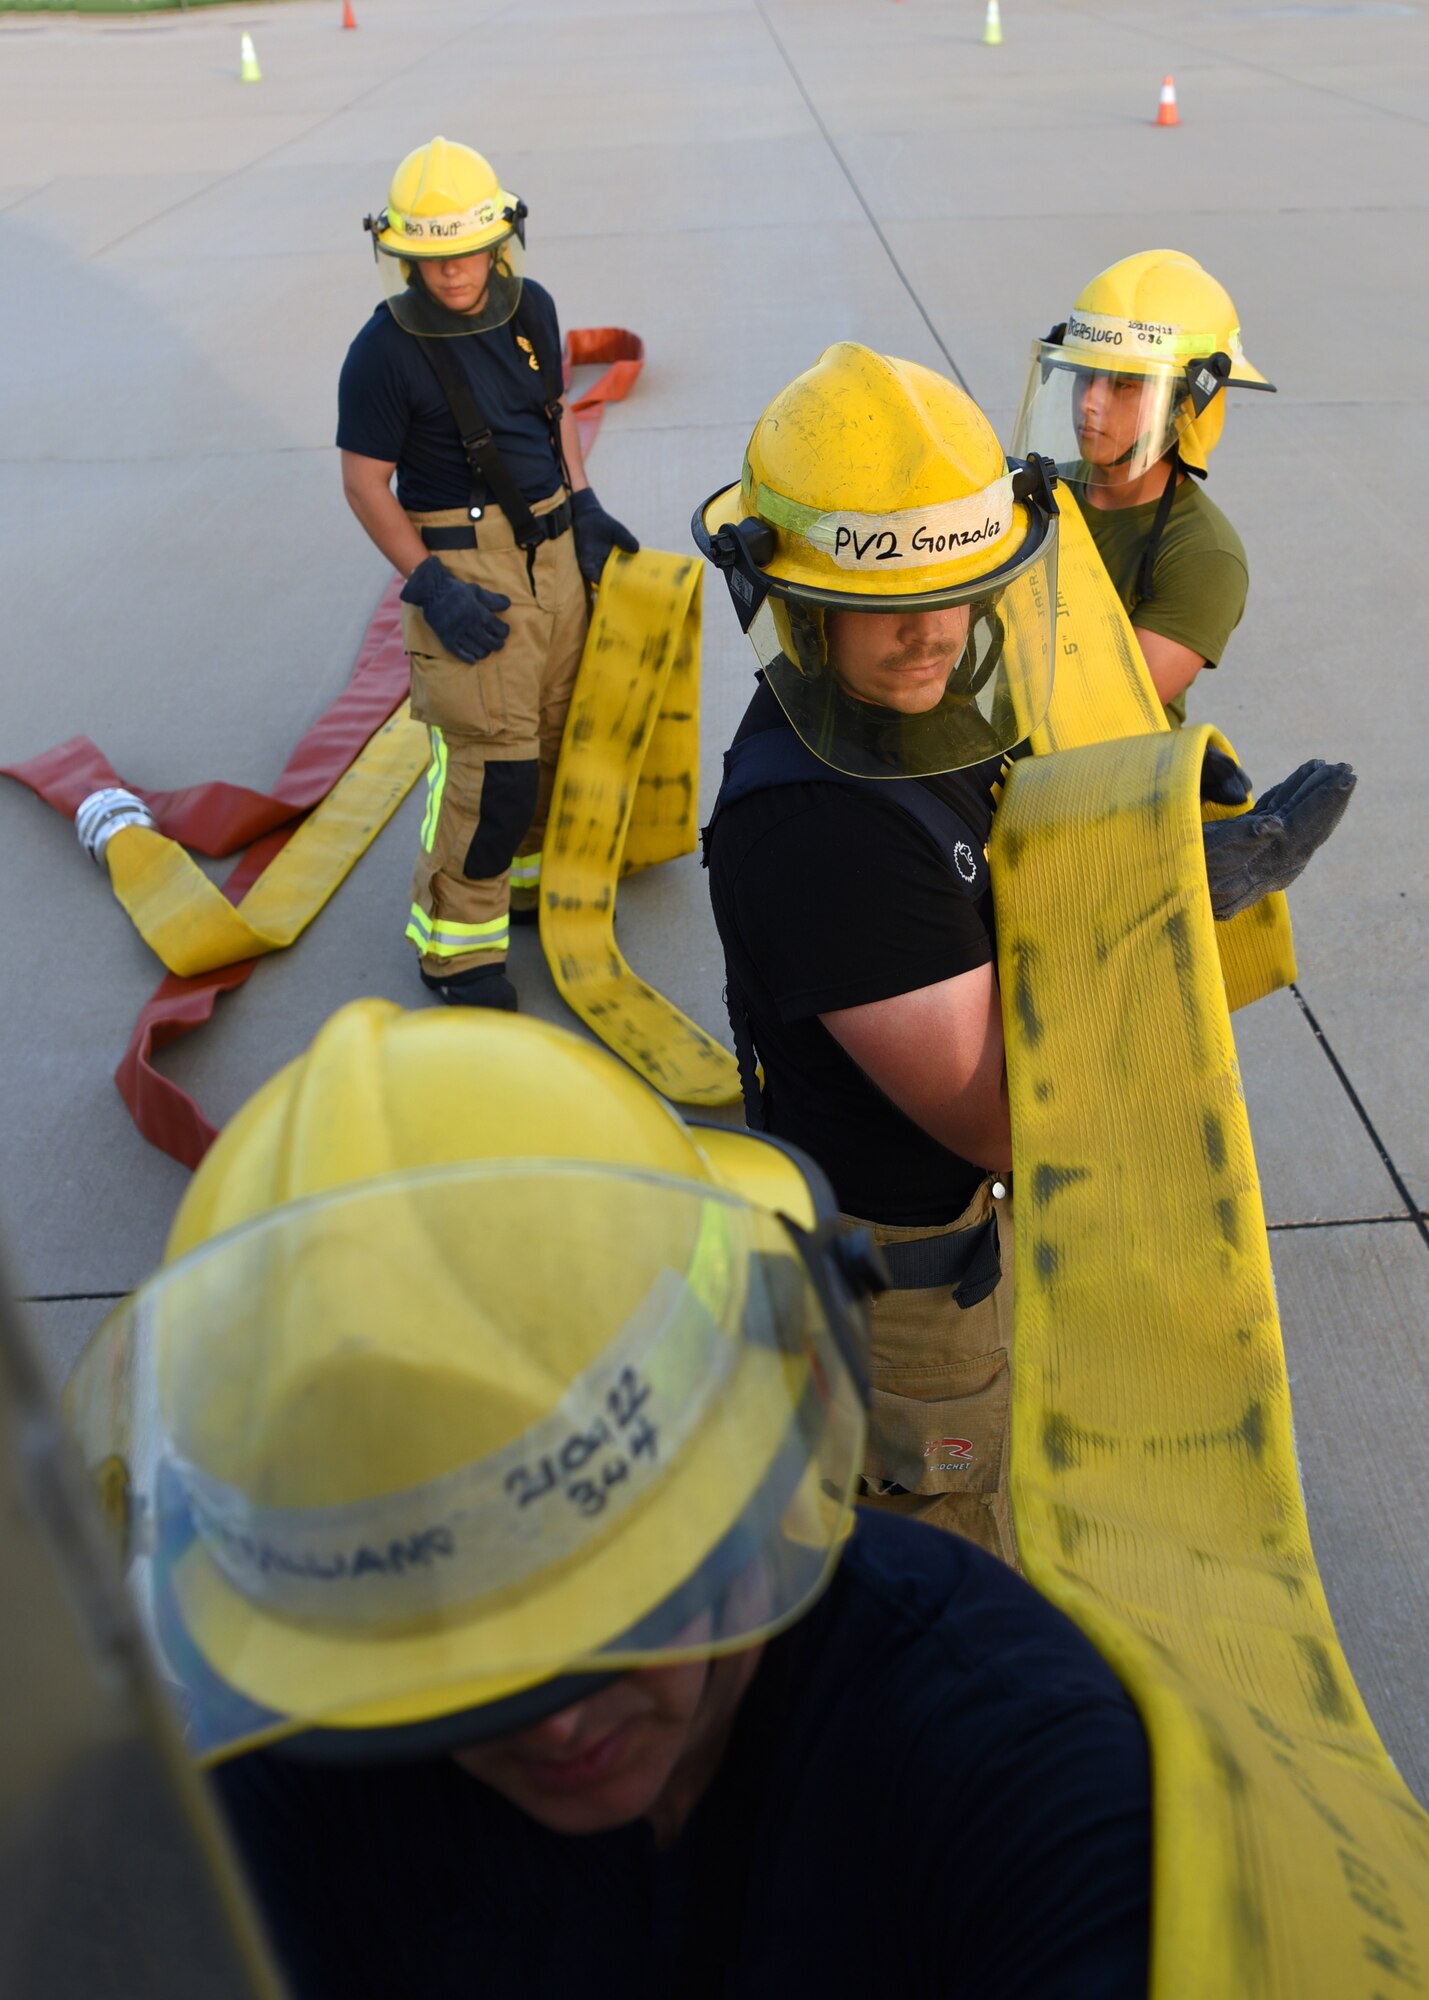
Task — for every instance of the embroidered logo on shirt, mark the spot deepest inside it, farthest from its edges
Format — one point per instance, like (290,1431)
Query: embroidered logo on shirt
(965,861)
(531,361)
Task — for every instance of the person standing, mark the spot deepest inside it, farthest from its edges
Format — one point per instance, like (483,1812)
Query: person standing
(1126,395)
(897,578)
(896,575)
(455,387)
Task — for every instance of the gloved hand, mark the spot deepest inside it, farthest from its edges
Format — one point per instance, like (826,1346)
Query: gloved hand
(1267,847)
(597,533)
(462,615)
(1223,781)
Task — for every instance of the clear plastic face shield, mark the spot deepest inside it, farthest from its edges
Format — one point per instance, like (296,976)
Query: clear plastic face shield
(1103,423)
(370,1480)
(912,686)
(444,297)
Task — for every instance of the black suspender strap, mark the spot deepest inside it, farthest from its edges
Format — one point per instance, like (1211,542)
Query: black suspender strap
(489,470)
(769,758)
(1145,571)
(548,362)
(553,381)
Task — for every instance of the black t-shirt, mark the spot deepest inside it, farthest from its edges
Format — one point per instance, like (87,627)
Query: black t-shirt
(826,897)
(390,406)
(934,1786)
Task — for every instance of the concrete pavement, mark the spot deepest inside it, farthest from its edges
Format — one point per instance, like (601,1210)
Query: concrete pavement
(741,181)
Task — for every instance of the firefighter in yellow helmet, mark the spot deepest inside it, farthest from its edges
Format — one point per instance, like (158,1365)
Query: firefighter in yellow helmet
(897,575)
(455,386)
(453,1554)
(1127,395)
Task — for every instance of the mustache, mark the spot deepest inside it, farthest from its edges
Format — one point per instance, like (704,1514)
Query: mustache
(926,656)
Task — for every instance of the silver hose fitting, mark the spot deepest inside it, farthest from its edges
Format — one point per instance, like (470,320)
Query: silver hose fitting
(102,815)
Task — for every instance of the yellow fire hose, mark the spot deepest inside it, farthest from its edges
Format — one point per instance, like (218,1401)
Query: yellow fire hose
(1153,1470)
(625,799)
(184,917)
(1101,690)
(1154,1479)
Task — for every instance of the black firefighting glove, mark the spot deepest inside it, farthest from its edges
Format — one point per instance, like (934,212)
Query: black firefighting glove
(1266,848)
(462,615)
(597,533)
(1223,781)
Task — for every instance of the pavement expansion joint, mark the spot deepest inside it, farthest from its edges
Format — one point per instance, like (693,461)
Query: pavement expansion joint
(1413,1213)
(862,198)
(70,1298)
(1345,1222)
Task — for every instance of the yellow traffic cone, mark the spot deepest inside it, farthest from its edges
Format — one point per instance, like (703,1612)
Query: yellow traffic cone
(248,70)
(992,27)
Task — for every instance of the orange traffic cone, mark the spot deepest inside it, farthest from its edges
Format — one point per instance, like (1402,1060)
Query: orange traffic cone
(347,16)
(1166,112)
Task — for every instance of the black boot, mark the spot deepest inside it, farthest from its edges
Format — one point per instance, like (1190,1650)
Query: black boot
(486,986)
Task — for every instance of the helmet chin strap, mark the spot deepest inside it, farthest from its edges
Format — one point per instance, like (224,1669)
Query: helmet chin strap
(1204,382)
(980,669)
(1145,570)
(1132,449)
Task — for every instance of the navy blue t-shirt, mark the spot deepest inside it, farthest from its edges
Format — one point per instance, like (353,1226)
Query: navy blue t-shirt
(934,1785)
(390,406)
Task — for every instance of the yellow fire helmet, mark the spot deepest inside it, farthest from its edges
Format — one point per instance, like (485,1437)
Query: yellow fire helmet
(1136,368)
(446,203)
(895,571)
(473,1378)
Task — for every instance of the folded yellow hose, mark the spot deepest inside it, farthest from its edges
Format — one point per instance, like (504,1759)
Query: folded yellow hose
(625,798)
(183,917)
(1154,1478)
(1101,690)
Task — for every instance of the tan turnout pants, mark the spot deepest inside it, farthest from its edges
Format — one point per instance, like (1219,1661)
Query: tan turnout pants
(495,730)
(938,1422)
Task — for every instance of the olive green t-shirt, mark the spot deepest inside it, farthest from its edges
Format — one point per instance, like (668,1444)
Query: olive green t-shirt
(1200,574)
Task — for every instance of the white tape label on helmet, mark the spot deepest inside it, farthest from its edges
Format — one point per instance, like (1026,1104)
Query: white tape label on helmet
(447,228)
(1100,333)
(918,536)
(515,1513)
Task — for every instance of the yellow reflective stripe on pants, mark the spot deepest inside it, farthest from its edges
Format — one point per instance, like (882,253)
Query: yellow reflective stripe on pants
(526,871)
(436,785)
(445,939)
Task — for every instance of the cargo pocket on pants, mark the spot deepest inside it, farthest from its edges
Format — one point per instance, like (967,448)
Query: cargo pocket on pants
(941,1430)
(452,696)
